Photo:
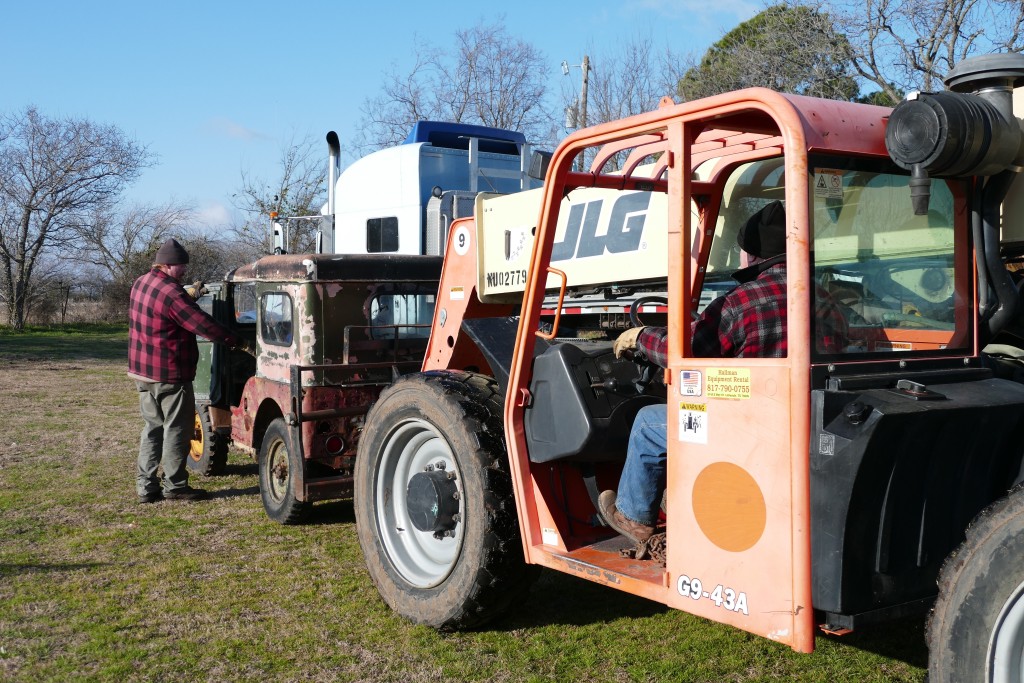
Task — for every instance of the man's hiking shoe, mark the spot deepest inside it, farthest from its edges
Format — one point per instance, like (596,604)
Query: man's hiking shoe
(186,493)
(150,497)
(634,531)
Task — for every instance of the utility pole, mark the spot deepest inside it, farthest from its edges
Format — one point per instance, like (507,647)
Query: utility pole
(577,112)
(585,66)
(583,91)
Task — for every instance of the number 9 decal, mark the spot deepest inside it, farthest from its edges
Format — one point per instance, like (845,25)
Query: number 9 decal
(460,240)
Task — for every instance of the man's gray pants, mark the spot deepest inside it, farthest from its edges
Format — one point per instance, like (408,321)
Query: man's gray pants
(169,412)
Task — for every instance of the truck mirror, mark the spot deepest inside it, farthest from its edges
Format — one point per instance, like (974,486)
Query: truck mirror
(539,161)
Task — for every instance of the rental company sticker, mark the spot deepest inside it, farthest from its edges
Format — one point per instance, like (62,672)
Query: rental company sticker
(693,422)
(689,383)
(728,383)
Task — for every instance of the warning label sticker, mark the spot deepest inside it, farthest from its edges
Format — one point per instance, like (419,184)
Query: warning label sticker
(728,383)
(828,183)
(693,422)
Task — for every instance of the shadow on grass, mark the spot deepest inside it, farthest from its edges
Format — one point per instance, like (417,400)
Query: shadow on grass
(557,598)
(560,599)
(234,493)
(902,640)
(332,512)
(39,567)
(247,470)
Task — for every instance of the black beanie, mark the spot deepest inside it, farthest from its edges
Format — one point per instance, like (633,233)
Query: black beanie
(171,253)
(764,233)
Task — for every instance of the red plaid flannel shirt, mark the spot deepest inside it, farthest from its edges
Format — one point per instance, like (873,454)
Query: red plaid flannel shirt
(750,321)
(163,321)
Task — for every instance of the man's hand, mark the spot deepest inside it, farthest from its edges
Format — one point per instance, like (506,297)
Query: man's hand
(249,347)
(626,341)
(196,289)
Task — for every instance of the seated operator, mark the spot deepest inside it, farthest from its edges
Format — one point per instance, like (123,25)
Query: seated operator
(748,321)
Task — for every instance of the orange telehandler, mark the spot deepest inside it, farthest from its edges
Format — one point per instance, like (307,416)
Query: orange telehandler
(819,490)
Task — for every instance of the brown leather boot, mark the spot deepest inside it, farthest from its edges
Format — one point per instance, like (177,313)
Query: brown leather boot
(634,531)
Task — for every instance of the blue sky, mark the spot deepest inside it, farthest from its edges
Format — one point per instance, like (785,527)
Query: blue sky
(213,88)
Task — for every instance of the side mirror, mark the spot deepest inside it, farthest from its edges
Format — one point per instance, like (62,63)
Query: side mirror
(539,162)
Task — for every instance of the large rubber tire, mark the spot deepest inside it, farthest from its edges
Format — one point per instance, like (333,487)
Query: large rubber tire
(208,450)
(277,463)
(449,421)
(976,631)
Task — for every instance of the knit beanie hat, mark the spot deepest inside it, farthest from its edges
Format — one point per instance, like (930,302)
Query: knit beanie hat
(171,253)
(764,233)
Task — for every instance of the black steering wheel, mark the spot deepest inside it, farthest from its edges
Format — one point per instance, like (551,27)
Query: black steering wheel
(645,366)
(634,308)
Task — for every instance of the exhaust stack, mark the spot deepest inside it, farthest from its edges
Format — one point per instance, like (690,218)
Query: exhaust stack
(325,240)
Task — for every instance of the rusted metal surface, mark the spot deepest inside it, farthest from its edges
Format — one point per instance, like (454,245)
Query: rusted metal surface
(368,268)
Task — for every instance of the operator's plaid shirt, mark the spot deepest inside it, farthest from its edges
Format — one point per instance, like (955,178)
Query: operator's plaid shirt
(749,321)
(163,321)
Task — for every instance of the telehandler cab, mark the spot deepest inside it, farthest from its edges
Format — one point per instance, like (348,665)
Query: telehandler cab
(827,490)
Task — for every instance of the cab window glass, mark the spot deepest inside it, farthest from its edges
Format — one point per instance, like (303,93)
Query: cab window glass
(244,297)
(895,277)
(276,319)
(748,189)
(406,315)
(382,235)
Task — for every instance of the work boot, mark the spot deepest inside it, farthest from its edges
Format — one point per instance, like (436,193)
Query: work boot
(635,531)
(150,497)
(185,493)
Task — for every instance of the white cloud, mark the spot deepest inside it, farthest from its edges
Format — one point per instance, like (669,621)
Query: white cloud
(213,215)
(231,129)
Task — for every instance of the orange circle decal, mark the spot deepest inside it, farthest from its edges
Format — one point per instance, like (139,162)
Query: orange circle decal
(729,506)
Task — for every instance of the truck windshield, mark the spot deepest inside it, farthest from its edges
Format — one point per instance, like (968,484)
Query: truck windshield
(895,277)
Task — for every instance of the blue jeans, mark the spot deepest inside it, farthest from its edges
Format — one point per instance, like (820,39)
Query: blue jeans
(643,477)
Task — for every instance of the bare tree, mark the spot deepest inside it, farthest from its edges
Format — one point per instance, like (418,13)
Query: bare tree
(53,174)
(904,45)
(115,237)
(789,48)
(625,82)
(488,78)
(300,189)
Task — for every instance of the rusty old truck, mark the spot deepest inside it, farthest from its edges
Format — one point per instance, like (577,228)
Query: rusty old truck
(331,330)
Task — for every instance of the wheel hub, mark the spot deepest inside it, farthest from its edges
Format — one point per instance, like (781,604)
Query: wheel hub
(432,499)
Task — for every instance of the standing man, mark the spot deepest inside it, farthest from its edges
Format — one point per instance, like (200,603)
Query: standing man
(163,321)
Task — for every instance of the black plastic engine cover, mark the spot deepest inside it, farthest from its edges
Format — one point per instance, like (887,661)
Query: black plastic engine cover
(583,403)
(896,477)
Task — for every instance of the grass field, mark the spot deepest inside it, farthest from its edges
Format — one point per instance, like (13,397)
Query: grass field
(94,587)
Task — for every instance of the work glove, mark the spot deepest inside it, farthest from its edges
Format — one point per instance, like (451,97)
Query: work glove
(196,289)
(248,346)
(626,341)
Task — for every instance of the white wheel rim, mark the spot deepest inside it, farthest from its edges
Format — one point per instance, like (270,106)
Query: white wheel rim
(421,559)
(1006,647)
